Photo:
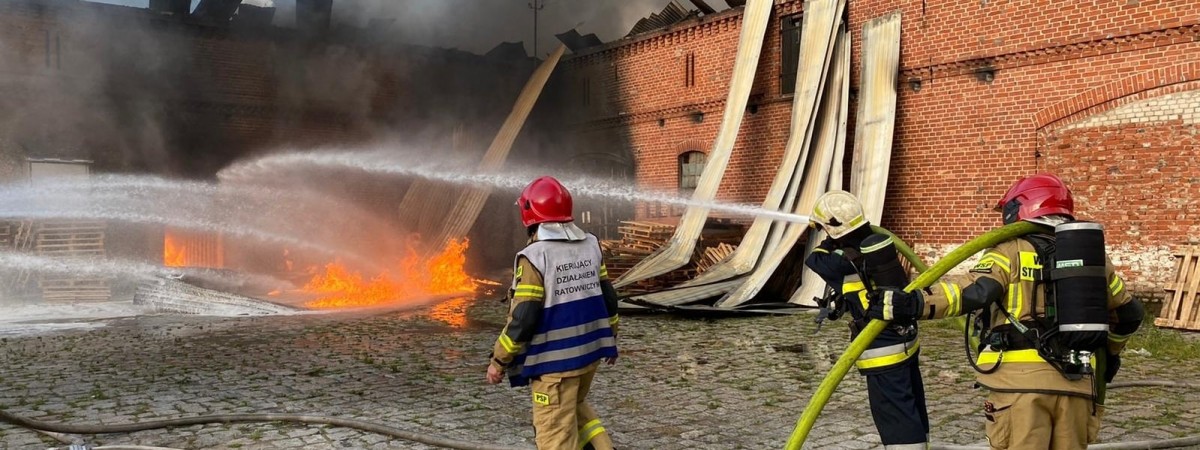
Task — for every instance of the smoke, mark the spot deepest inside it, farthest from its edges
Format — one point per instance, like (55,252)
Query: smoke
(85,92)
(138,94)
(478,26)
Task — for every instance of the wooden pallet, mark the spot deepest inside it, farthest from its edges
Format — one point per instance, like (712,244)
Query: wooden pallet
(6,235)
(713,255)
(75,289)
(71,239)
(1180,310)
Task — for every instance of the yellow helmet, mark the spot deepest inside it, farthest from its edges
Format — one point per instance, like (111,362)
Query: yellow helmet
(839,213)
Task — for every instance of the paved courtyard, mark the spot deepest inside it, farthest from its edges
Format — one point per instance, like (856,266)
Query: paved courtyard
(681,383)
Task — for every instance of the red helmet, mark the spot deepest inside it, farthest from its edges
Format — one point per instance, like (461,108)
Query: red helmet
(1036,196)
(545,200)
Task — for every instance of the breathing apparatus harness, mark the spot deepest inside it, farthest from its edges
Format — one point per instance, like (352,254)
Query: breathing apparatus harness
(1070,270)
(877,262)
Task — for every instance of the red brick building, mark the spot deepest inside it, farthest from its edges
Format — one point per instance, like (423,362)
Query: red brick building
(1106,94)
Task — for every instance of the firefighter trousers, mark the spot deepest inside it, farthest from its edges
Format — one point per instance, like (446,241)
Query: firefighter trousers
(897,397)
(1027,421)
(562,419)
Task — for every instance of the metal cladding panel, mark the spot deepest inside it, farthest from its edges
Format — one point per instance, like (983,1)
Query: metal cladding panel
(811,284)
(816,44)
(679,248)
(873,133)
(465,210)
(876,113)
(682,296)
(830,134)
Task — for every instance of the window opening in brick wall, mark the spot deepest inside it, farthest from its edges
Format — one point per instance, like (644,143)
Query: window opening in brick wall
(691,165)
(587,91)
(789,52)
(689,70)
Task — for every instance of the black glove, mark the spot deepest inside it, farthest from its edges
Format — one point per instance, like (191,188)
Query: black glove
(828,244)
(1111,366)
(895,304)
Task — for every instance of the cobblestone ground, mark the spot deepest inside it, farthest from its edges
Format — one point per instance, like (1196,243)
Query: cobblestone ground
(681,383)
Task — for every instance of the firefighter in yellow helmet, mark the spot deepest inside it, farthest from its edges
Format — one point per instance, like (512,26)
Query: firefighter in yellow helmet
(561,324)
(1050,304)
(853,260)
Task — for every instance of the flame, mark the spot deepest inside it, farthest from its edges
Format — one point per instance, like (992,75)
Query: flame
(412,277)
(174,255)
(182,248)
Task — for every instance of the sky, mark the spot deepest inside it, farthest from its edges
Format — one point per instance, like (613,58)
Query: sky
(479,25)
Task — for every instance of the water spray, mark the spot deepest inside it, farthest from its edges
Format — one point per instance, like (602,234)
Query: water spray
(458,173)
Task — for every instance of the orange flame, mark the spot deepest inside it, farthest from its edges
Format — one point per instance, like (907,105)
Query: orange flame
(412,277)
(174,255)
(182,248)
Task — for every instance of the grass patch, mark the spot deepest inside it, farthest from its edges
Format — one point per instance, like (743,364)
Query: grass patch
(1164,343)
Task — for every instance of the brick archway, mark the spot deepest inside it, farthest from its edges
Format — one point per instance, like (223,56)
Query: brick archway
(1116,93)
(692,145)
(1127,149)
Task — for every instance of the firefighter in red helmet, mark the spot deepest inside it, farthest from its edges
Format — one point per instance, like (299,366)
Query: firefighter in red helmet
(1050,305)
(562,321)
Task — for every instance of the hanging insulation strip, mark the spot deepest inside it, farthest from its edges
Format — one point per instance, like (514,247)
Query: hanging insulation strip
(470,201)
(816,44)
(831,131)
(876,113)
(678,250)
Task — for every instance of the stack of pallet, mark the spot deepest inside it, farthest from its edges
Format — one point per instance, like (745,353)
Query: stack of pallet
(641,239)
(1180,310)
(638,240)
(712,255)
(70,240)
(6,235)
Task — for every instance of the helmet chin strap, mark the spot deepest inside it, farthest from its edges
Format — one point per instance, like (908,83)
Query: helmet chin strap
(1011,211)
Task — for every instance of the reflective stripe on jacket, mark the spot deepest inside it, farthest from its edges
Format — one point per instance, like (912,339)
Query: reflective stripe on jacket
(574,330)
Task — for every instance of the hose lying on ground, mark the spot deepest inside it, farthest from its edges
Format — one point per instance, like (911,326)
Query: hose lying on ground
(451,443)
(234,418)
(1152,383)
(1131,445)
(431,440)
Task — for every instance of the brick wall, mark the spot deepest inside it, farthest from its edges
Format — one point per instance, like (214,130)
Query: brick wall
(962,139)
(1132,166)
(660,115)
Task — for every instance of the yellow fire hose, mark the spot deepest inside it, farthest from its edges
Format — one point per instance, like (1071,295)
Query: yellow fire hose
(809,417)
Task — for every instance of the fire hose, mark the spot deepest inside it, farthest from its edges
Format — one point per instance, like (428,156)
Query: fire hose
(868,334)
(456,444)
(239,418)
(928,275)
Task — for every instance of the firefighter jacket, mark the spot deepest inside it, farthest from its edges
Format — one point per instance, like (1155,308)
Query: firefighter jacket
(840,268)
(563,314)
(1013,268)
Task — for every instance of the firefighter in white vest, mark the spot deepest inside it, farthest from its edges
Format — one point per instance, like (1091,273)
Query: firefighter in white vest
(562,321)
(1050,306)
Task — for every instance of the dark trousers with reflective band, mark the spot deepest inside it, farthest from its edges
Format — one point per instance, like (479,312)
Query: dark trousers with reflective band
(897,397)
(562,419)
